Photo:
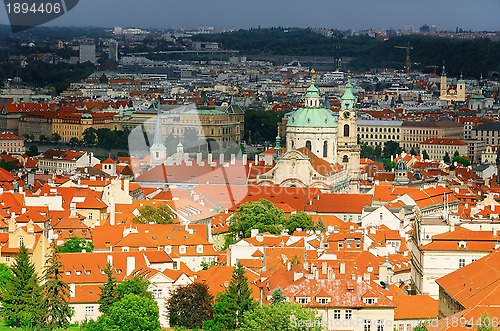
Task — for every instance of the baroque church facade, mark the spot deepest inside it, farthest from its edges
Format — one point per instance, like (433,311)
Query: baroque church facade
(321,147)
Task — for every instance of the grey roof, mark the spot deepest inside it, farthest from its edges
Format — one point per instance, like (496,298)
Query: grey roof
(432,124)
(378,123)
(489,126)
(481,167)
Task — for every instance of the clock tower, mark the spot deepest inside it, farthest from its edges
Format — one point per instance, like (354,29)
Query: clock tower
(348,150)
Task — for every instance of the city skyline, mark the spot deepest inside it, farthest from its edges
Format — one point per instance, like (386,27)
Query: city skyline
(225,14)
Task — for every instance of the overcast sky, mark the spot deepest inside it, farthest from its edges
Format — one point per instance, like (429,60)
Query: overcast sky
(234,14)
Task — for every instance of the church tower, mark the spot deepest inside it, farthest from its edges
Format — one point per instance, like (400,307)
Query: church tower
(157,151)
(443,88)
(347,142)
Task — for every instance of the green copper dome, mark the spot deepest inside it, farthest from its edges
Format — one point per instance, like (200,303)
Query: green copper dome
(312,117)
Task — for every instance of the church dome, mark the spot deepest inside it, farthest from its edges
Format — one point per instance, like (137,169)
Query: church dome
(401,165)
(312,114)
(312,117)
(86,116)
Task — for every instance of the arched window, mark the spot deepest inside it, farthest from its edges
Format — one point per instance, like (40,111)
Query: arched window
(325,149)
(345,159)
(346,130)
(308,145)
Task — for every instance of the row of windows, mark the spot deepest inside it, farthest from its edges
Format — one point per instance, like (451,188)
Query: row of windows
(426,132)
(376,136)
(388,130)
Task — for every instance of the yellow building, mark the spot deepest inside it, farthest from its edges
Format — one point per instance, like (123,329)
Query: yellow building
(454,92)
(11,143)
(72,125)
(414,132)
(220,124)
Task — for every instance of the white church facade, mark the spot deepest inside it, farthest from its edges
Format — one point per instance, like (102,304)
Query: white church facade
(321,148)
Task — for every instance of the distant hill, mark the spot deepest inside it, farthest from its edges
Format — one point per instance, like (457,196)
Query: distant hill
(467,56)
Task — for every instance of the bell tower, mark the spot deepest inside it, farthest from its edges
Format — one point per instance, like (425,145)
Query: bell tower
(348,150)
(157,151)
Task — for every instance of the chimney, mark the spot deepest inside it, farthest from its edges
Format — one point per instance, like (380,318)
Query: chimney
(254,233)
(210,159)
(244,159)
(288,266)
(359,281)
(12,225)
(126,186)
(109,259)
(112,210)
(256,159)
(198,158)
(366,277)
(324,266)
(72,209)
(130,265)
(23,210)
(331,274)
(30,228)
(233,159)
(71,290)
(342,268)
(221,158)
(495,232)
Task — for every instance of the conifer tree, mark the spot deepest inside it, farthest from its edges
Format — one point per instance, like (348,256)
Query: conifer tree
(239,295)
(22,294)
(56,293)
(108,290)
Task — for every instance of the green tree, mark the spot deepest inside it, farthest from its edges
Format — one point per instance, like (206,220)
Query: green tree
(90,136)
(388,164)
(21,296)
(391,148)
(56,292)
(43,138)
(261,215)
(135,285)
(56,137)
(456,153)
(299,220)
(190,306)
(320,225)
(446,158)
(149,214)
(420,327)
(9,166)
(74,141)
(230,306)
(284,316)
(277,296)
(425,155)
(32,151)
(5,275)
(485,324)
(108,290)
(75,245)
(377,152)
(131,313)
(462,160)
(413,151)
(367,152)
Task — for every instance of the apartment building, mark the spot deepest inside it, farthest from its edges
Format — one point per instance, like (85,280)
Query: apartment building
(378,132)
(414,132)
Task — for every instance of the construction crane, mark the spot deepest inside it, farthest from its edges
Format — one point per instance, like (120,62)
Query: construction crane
(408,61)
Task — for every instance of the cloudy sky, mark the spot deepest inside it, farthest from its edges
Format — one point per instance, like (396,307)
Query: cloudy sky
(234,14)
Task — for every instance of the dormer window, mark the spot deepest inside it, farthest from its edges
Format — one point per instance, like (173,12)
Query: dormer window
(182,249)
(370,301)
(322,301)
(87,272)
(303,300)
(78,273)
(68,273)
(462,244)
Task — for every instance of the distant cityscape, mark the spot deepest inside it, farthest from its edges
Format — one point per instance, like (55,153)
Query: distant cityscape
(335,193)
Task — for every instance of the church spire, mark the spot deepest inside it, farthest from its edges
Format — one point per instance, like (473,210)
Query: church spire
(157,151)
(158,137)
(348,100)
